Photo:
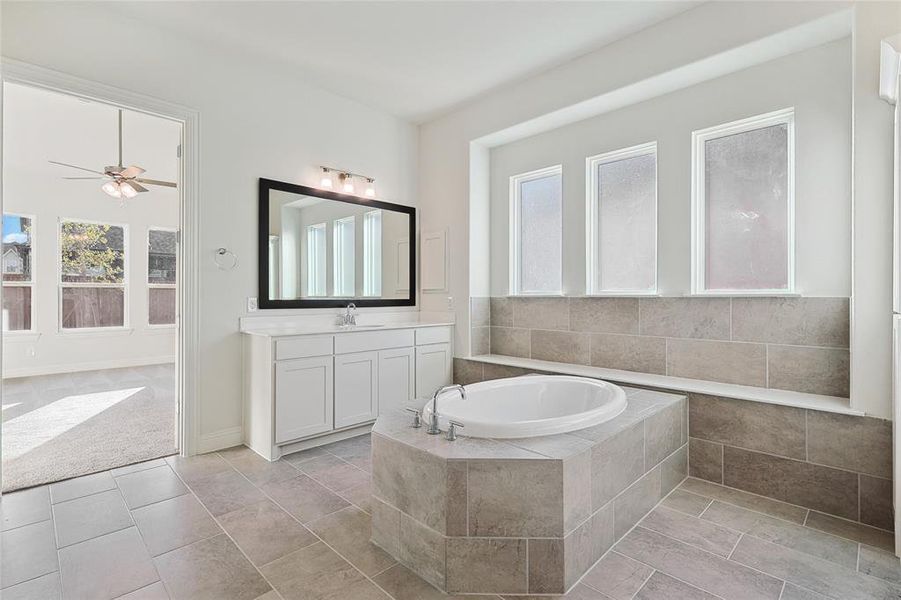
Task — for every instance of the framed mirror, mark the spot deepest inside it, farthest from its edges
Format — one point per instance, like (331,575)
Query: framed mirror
(321,249)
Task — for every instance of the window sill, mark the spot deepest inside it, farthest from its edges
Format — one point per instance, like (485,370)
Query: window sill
(745,294)
(21,336)
(97,332)
(831,404)
(160,329)
(621,295)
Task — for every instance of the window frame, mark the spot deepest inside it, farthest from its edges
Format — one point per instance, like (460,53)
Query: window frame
(125,285)
(32,283)
(166,286)
(699,138)
(592,211)
(514,265)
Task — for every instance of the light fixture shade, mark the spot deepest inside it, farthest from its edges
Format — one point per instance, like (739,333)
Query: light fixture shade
(348,180)
(111,188)
(370,187)
(127,190)
(326,180)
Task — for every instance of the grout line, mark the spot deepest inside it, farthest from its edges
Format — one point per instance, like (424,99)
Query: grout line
(857,565)
(645,582)
(709,504)
(731,552)
(806,516)
(782,591)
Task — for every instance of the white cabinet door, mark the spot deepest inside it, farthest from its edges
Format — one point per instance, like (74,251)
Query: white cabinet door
(397,370)
(433,368)
(303,397)
(356,388)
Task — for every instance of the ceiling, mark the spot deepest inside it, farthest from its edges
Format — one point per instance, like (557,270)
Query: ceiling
(412,59)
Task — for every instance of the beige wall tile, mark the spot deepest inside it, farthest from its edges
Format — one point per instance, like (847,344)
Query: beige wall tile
(616,463)
(510,342)
(546,566)
(629,353)
(813,486)
(604,315)
(501,312)
(467,371)
(799,321)
(876,502)
(810,370)
(481,565)
(423,550)
(480,341)
(481,311)
(705,460)
(862,444)
(726,362)
(673,470)
(385,526)
(457,474)
(752,425)
(541,313)
(663,434)
(490,371)
(585,546)
(560,346)
(635,502)
(576,490)
(705,318)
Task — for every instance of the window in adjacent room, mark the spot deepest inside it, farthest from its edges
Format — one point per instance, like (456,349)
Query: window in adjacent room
(162,256)
(536,232)
(372,253)
(18,272)
(344,256)
(743,206)
(622,221)
(92,275)
(316,260)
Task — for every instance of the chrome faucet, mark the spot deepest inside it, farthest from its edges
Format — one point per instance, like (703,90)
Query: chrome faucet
(433,418)
(350,315)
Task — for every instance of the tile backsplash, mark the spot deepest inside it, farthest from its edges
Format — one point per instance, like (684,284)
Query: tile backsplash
(797,344)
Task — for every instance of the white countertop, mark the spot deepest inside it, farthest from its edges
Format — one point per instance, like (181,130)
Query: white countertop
(369,323)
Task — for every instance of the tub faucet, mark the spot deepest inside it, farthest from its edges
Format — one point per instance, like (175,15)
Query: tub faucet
(433,418)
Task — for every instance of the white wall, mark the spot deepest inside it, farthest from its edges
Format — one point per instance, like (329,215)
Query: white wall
(815,82)
(257,119)
(41,126)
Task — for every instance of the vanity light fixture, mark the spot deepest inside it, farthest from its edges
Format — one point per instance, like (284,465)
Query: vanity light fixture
(346,182)
(370,187)
(326,181)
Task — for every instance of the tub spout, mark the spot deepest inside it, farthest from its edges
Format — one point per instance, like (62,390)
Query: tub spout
(433,418)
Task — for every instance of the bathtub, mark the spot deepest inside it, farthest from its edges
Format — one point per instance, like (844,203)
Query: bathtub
(529,406)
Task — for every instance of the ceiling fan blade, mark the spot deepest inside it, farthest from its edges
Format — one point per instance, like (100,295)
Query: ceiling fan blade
(84,177)
(54,162)
(137,186)
(131,171)
(156,182)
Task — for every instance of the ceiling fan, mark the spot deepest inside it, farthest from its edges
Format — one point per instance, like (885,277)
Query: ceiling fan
(123,182)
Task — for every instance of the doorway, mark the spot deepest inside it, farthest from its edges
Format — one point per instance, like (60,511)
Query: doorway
(91,286)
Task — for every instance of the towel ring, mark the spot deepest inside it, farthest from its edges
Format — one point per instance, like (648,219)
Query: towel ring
(225,259)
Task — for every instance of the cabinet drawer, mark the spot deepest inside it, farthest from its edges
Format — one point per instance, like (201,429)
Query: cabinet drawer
(433,335)
(303,347)
(364,341)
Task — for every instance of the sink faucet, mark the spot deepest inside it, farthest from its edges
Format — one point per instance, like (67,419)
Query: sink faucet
(433,418)
(350,315)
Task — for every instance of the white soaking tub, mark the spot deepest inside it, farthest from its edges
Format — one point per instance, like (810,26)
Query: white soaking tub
(529,406)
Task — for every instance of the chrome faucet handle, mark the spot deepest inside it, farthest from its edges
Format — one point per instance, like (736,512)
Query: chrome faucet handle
(452,430)
(417,418)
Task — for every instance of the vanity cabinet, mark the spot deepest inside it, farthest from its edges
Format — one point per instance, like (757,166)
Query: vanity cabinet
(303,390)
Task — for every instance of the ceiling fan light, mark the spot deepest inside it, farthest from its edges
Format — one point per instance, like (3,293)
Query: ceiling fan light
(111,188)
(127,190)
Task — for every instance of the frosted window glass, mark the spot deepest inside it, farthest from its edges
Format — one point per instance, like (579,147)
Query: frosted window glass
(746,199)
(344,256)
(540,234)
(627,224)
(316,260)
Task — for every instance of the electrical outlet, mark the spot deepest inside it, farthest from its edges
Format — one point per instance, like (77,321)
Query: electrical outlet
(450,303)
(252,305)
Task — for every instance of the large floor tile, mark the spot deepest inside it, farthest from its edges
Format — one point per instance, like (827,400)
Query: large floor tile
(356,450)
(775,508)
(810,572)
(106,567)
(312,573)
(256,468)
(796,537)
(697,567)
(25,507)
(618,576)
(27,552)
(141,466)
(403,584)
(152,485)
(664,587)
(348,532)
(690,504)
(195,468)
(304,498)
(174,523)
(89,517)
(226,491)
(793,592)
(691,530)
(212,569)
(851,530)
(298,458)
(265,532)
(81,486)
(45,587)
(879,563)
(154,591)
(334,473)
(360,496)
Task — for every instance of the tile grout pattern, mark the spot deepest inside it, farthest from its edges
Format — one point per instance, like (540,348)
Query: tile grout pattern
(798,344)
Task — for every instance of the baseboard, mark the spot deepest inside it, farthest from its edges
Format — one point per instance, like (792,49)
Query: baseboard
(87,366)
(220,440)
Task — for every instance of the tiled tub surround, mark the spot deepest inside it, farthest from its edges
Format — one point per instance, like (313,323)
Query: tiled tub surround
(796,344)
(527,516)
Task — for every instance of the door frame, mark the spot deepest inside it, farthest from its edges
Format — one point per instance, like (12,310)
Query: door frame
(187,353)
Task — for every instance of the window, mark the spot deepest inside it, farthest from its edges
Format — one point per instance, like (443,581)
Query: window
(536,236)
(743,206)
(343,241)
(622,221)
(316,261)
(18,270)
(92,275)
(162,253)
(372,253)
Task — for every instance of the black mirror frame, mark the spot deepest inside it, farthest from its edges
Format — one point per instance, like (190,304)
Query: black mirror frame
(265,302)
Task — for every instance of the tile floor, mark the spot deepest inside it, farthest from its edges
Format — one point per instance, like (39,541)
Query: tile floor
(231,526)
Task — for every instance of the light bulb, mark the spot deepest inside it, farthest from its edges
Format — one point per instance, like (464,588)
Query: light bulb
(348,183)
(326,180)
(112,189)
(127,190)
(370,187)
